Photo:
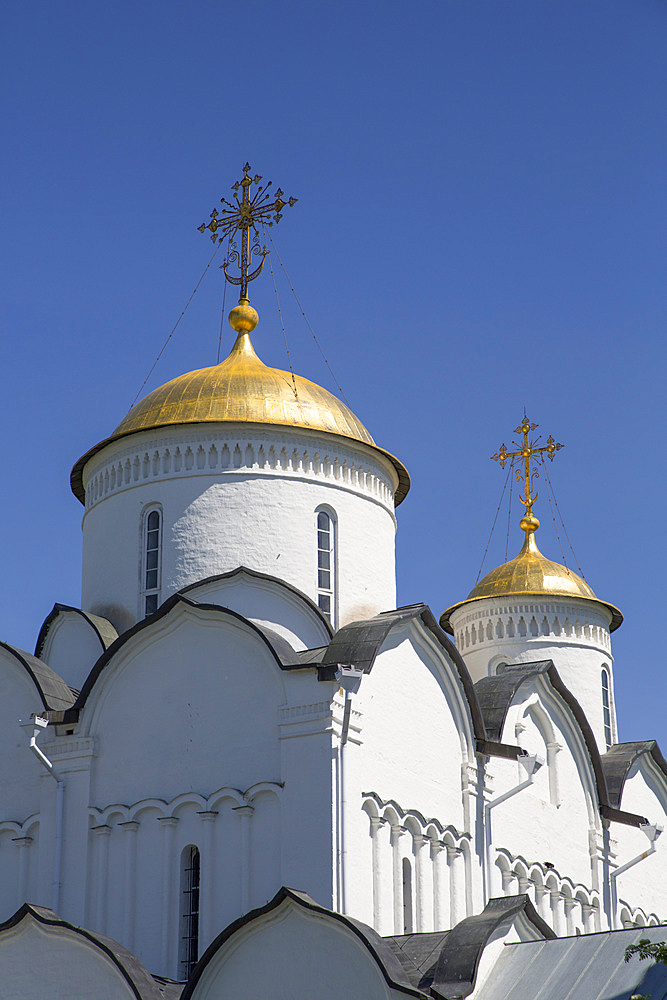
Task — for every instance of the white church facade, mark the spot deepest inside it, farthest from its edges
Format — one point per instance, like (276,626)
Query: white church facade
(239,755)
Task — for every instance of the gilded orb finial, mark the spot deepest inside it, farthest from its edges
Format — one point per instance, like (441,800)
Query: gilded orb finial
(527,451)
(245,213)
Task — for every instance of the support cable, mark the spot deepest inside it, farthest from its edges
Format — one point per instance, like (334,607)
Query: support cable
(509,514)
(562,521)
(494,524)
(289,360)
(553,516)
(338,385)
(175,326)
(222,314)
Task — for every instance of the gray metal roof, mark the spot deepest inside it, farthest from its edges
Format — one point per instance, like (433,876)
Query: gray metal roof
(587,967)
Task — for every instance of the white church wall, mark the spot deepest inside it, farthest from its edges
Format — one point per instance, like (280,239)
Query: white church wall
(187,703)
(573,633)
(68,966)
(268,603)
(642,887)
(19,769)
(288,951)
(72,647)
(237,500)
(413,745)
(550,820)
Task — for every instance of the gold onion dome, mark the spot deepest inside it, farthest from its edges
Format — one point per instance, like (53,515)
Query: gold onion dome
(242,389)
(530,574)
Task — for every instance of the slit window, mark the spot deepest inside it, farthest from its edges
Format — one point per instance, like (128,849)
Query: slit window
(151,571)
(189,922)
(407,896)
(606,707)
(326,565)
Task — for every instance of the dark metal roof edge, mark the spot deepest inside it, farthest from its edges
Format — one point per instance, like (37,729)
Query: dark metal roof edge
(627,754)
(456,971)
(49,674)
(385,622)
(520,673)
(381,952)
(620,816)
(55,611)
(262,576)
(135,974)
(72,714)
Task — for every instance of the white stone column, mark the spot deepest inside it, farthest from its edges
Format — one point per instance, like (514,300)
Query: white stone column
(381,900)
(129,901)
(524,884)
(22,845)
(397,868)
(207,929)
(568,907)
(587,917)
(457,910)
(507,878)
(542,900)
(245,815)
(440,886)
(102,876)
(424,883)
(169,876)
(556,911)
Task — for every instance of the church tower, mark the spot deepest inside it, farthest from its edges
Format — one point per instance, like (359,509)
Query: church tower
(531,608)
(239,465)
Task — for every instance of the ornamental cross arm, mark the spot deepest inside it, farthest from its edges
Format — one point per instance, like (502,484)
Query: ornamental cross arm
(253,205)
(529,452)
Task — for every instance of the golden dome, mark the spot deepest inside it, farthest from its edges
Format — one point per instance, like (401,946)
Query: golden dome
(530,574)
(242,389)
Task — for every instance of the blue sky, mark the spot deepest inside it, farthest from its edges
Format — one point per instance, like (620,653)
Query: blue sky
(480,227)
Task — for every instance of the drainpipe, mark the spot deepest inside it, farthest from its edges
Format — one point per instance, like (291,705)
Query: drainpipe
(349,679)
(531,763)
(652,831)
(38,724)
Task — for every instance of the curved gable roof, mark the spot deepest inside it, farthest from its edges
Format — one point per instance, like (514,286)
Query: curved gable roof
(495,695)
(130,968)
(268,578)
(55,694)
(618,760)
(391,969)
(102,628)
(359,644)
(279,648)
(457,966)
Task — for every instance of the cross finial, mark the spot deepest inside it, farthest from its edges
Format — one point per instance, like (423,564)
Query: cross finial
(527,451)
(246,212)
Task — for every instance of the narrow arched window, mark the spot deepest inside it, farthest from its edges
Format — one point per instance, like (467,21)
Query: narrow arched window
(407,896)
(189,910)
(152,568)
(606,707)
(326,565)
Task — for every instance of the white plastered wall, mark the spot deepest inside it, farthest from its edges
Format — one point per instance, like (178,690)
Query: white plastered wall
(240,496)
(410,745)
(72,647)
(290,952)
(552,825)
(642,887)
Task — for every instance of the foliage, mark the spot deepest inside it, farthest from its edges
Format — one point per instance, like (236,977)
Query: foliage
(648,949)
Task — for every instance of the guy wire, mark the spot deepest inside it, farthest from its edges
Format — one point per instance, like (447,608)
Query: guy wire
(549,491)
(175,325)
(273,278)
(494,524)
(340,388)
(562,521)
(222,314)
(509,514)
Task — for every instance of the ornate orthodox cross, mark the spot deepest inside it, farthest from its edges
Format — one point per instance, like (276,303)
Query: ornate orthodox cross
(252,209)
(529,452)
